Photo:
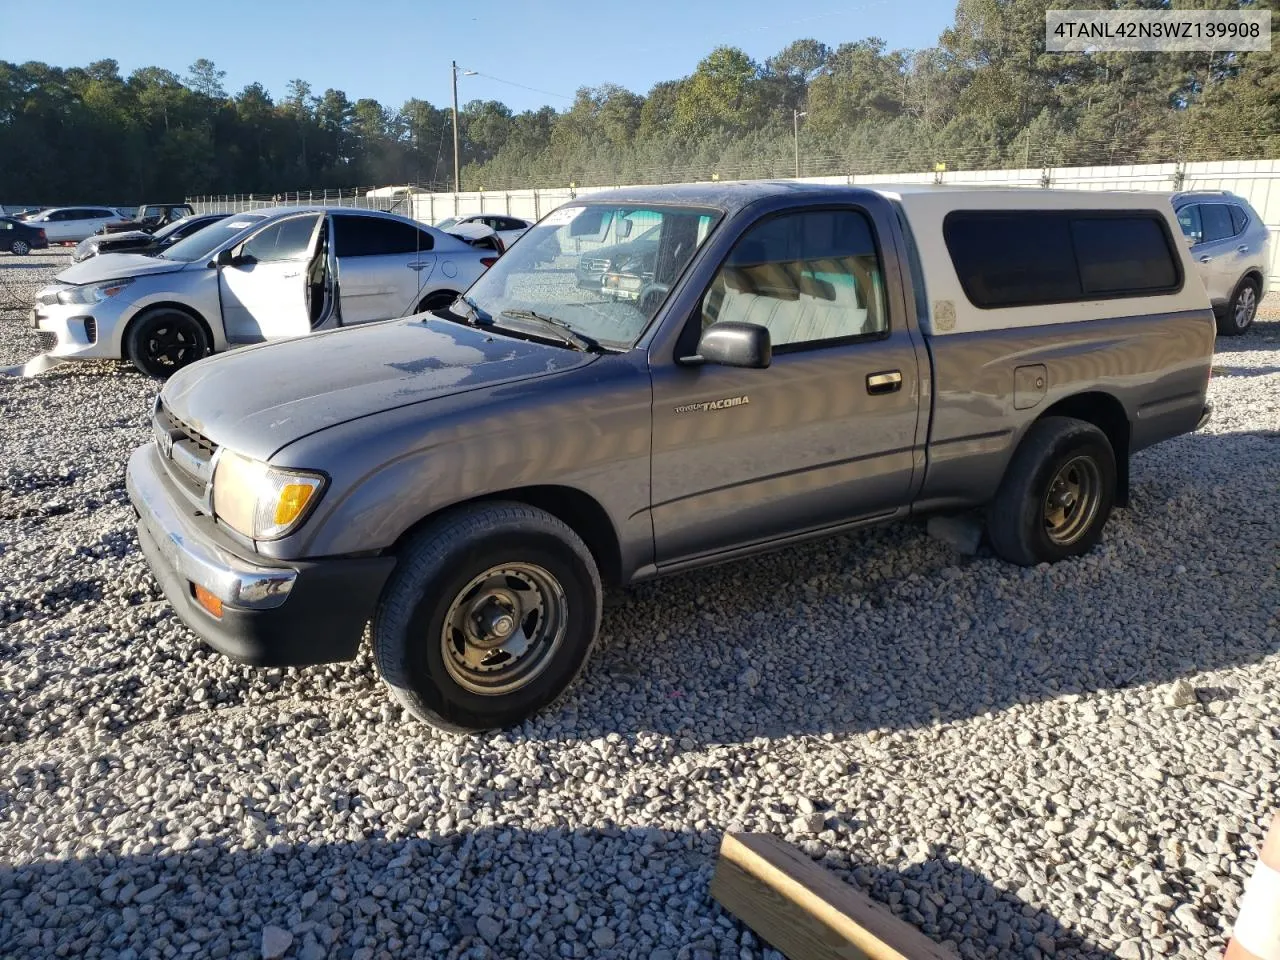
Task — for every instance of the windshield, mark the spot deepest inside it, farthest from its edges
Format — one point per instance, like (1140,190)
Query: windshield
(604,270)
(446,222)
(204,241)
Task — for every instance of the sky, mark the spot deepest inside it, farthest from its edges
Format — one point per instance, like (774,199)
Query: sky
(392,50)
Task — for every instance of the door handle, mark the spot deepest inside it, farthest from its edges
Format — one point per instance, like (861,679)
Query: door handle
(288,276)
(1206,259)
(417,266)
(886,382)
(1243,248)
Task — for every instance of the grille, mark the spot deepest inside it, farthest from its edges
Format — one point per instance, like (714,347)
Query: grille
(47,339)
(48,299)
(191,454)
(91,329)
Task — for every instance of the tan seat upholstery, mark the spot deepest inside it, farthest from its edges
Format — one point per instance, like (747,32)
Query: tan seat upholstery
(795,307)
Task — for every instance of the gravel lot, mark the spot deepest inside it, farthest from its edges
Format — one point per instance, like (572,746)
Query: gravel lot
(1072,762)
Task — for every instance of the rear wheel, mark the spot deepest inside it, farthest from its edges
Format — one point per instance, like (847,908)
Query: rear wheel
(436,301)
(164,340)
(20,247)
(490,615)
(1242,309)
(1056,495)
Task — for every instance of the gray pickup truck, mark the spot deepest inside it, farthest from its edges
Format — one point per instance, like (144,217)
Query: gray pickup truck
(778,362)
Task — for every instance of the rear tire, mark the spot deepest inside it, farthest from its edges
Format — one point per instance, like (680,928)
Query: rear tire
(436,301)
(163,340)
(20,248)
(490,615)
(1241,311)
(1056,495)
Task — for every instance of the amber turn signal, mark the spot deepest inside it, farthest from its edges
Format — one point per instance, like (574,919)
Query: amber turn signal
(207,600)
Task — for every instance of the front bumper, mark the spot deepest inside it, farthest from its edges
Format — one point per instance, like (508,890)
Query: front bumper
(79,331)
(272,615)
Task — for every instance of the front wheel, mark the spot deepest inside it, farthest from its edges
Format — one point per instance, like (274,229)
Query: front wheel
(1241,311)
(1056,495)
(20,247)
(490,615)
(164,340)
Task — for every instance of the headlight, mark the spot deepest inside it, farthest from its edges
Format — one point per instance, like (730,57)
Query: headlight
(94,293)
(261,501)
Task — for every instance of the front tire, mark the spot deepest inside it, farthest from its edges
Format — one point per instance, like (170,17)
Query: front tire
(1056,495)
(164,340)
(20,248)
(490,616)
(1241,311)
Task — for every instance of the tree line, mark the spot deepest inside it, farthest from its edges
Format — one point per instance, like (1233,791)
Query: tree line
(986,95)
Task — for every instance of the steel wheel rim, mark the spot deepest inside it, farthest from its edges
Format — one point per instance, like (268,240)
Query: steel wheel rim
(20,247)
(1246,305)
(503,628)
(1072,500)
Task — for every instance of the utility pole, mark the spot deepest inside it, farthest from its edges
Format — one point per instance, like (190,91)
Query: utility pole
(457,187)
(795,130)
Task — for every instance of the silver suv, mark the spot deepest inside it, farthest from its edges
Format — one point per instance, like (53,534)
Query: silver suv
(1232,250)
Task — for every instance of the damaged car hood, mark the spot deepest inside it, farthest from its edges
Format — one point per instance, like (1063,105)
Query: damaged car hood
(116,266)
(258,399)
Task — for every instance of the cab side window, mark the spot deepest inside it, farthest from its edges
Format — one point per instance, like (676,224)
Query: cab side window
(809,278)
(287,240)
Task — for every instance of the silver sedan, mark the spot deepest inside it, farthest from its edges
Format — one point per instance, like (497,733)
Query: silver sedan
(267,275)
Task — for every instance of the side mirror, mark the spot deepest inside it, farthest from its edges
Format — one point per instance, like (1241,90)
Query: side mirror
(226,258)
(624,228)
(733,343)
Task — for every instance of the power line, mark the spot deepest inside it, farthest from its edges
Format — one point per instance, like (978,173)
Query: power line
(512,83)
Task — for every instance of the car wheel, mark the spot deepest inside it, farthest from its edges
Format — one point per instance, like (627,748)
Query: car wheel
(490,615)
(436,301)
(1242,309)
(164,340)
(1056,495)
(20,247)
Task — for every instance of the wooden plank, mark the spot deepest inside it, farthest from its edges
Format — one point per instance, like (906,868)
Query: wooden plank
(806,911)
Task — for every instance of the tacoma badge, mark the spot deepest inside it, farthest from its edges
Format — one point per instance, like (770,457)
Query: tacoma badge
(714,404)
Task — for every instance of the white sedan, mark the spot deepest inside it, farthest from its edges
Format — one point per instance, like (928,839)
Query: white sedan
(73,224)
(271,274)
(508,229)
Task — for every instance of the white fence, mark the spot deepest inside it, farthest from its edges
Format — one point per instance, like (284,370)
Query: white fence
(1258,181)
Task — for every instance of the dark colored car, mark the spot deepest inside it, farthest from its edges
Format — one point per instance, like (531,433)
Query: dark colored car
(594,264)
(139,241)
(151,217)
(21,238)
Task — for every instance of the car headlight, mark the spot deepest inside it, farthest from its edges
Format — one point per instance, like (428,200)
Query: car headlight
(260,501)
(92,293)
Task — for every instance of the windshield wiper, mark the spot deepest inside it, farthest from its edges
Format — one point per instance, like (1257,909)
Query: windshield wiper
(579,341)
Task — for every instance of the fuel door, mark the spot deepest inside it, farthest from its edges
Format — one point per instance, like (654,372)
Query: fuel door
(1029,385)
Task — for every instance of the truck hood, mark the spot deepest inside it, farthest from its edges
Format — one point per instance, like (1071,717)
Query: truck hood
(258,399)
(116,266)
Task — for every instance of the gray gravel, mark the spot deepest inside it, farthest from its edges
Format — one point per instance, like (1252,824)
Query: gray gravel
(1072,761)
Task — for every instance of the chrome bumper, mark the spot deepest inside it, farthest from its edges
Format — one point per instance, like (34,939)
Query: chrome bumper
(189,552)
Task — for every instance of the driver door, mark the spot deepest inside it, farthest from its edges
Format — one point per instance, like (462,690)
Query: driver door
(264,289)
